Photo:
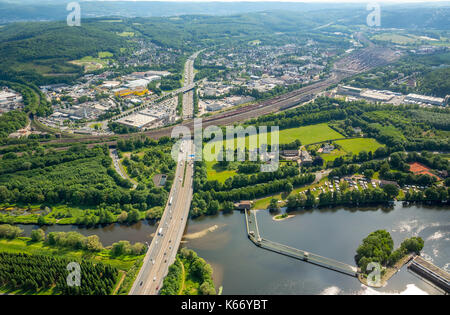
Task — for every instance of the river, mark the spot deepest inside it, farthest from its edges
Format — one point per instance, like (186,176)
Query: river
(243,268)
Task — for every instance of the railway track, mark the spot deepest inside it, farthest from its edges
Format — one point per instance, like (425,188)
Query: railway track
(359,61)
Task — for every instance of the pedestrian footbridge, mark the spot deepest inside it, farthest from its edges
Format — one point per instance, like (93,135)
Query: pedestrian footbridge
(255,237)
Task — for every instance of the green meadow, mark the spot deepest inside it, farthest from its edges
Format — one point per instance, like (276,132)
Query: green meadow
(357,145)
(306,135)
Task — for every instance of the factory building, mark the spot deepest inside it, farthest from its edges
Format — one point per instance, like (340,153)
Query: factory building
(416,98)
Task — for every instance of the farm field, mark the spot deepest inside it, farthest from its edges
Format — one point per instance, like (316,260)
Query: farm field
(357,145)
(395,38)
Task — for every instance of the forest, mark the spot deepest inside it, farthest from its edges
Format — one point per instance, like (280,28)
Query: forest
(29,50)
(34,273)
(77,177)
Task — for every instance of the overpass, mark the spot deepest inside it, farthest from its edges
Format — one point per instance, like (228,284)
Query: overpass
(164,246)
(255,237)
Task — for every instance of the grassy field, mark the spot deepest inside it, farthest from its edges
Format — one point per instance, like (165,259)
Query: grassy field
(90,63)
(306,134)
(126,34)
(357,145)
(410,39)
(29,214)
(128,266)
(215,173)
(333,155)
(309,134)
(105,54)
(395,38)
(24,245)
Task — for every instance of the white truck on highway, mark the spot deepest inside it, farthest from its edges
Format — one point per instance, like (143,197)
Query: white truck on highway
(160,232)
(170,201)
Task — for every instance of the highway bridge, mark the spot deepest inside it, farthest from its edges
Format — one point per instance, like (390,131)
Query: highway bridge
(164,246)
(255,236)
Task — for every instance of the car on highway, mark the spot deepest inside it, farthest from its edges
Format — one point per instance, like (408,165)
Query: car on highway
(305,256)
(154,279)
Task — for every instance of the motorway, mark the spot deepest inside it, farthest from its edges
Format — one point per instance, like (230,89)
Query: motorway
(164,246)
(188,97)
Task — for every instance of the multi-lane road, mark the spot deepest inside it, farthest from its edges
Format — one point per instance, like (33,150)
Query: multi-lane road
(164,246)
(188,97)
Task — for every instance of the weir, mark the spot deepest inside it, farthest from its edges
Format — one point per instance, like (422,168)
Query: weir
(255,237)
(432,273)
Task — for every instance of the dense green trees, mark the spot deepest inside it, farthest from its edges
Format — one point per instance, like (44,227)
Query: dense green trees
(172,282)
(11,122)
(37,235)
(202,199)
(170,82)
(79,177)
(125,248)
(74,240)
(10,231)
(400,127)
(197,273)
(378,247)
(37,272)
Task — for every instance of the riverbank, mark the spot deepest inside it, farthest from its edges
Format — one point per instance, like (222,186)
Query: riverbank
(58,215)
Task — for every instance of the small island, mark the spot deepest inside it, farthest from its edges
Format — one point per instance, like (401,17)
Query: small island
(378,248)
(283,216)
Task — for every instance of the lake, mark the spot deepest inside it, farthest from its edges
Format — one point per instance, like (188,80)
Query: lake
(243,268)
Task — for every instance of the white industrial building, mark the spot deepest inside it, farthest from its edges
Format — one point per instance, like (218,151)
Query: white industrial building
(137,120)
(376,96)
(416,98)
(137,83)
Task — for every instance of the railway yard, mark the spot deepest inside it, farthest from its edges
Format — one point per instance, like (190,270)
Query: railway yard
(357,61)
